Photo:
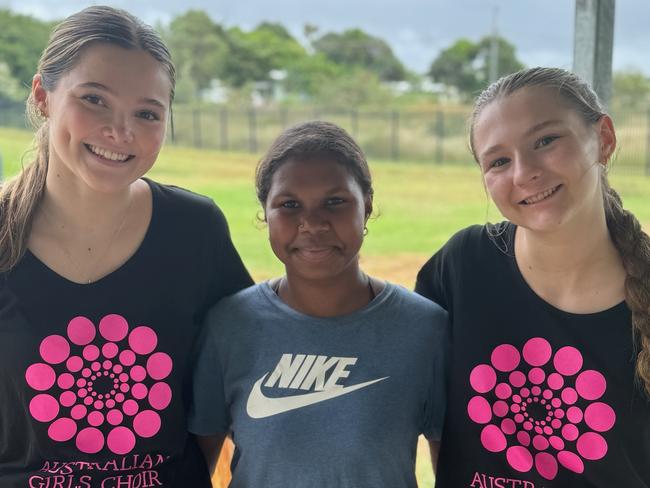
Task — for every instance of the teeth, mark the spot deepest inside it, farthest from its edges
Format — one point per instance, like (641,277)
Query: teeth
(540,196)
(113,156)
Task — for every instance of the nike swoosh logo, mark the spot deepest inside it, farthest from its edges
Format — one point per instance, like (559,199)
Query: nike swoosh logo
(260,406)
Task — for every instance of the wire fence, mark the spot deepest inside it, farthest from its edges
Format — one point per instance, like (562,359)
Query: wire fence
(436,136)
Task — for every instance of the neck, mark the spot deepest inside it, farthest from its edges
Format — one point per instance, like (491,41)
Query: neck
(569,250)
(340,295)
(576,269)
(81,209)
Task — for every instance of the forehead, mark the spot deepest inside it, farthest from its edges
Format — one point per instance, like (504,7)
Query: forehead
(127,72)
(297,173)
(512,116)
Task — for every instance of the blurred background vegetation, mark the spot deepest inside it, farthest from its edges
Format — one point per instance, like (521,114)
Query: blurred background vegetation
(237,89)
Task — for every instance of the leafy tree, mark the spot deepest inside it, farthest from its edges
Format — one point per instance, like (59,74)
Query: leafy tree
(10,88)
(507,61)
(631,90)
(252,55)
(199,47)
(454,66)
(278,30)
(22,39)
(308,75)
(465,64)
(309,31)
(352,88)
(355,48)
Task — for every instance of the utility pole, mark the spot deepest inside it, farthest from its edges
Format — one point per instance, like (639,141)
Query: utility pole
(593,44)
(494,45)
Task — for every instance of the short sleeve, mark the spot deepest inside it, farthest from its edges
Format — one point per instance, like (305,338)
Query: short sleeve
(438,277)
(208,412)
(226,271)
(436,400)
(430,280)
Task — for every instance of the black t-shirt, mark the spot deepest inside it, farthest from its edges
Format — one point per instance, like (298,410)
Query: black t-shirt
(94,378)
(538,397)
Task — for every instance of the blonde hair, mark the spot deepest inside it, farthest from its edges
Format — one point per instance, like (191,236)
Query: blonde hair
(20,196)
(631,242)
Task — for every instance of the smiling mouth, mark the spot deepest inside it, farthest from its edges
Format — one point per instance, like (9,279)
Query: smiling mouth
(315,253)
(108,155)
(540,196)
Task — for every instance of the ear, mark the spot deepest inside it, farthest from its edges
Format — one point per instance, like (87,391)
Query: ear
(368,207)
(607,138)
(261,216)
(39,95)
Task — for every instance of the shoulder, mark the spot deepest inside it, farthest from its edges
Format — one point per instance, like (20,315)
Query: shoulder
(183,203)
(465,253)
(416,307)
(238,308)
(470,236)
(476,240)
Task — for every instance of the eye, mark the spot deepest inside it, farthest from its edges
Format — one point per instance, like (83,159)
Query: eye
(290,204)
(334,201)
(545,141)
(496,163)
(93,99)
(148,115)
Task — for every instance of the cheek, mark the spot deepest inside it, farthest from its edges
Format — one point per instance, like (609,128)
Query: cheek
(279,231)
(151,140)
(492,186)
(352,224)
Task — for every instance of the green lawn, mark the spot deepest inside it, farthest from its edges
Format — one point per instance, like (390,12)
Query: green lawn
(418,207)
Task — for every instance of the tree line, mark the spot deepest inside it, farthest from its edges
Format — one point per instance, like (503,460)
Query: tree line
(337,69)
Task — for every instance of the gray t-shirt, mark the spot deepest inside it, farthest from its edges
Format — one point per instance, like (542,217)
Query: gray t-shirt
(322,402)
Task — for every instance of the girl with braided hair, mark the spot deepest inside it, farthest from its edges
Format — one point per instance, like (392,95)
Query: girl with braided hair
(550,310)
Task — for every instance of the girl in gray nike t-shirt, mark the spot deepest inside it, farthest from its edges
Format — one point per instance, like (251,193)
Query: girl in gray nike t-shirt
(326,376)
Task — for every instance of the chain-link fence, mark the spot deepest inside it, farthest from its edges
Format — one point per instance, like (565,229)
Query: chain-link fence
(436,136)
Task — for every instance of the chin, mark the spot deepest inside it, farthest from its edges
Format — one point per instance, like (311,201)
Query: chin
(109,186)
(109,182)
(543,225)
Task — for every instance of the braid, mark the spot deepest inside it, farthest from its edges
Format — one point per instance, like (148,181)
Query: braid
(634,247)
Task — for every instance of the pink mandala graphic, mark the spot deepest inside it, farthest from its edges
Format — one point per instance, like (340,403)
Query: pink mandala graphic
(100,386)
(541,408)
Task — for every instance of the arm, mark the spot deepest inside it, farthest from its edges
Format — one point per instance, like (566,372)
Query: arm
(211,446)
(434,448)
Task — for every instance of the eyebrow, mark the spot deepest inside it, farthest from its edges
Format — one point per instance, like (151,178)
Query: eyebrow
(99,86)
(532,130)
(331,191)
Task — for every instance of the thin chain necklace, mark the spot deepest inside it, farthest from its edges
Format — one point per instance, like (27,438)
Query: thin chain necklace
(101,257)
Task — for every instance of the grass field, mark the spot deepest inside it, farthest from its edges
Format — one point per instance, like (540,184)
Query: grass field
(418,206)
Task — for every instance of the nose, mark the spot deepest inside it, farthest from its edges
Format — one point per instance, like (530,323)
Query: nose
(119,129)
(526,169)
(313,221)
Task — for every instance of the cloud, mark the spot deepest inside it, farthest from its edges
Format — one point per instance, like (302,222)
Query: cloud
(416,29)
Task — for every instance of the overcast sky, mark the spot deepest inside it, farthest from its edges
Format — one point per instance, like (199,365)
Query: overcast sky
(417,30)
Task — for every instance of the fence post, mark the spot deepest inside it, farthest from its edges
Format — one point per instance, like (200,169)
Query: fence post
(196,125)
(440,133)
(394,129)
(647,145)
(252,131)
(223,127)
(284,117)
(354,123)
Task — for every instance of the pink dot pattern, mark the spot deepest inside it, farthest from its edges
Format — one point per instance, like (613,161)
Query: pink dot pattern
(537,406)
(101,387)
